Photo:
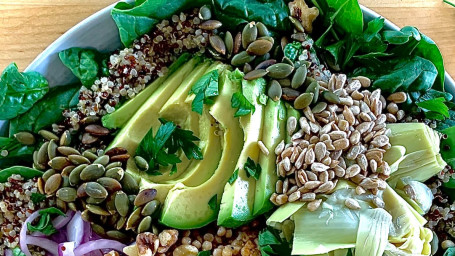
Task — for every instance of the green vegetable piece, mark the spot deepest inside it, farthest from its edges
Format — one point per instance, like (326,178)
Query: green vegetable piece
(45,224)
(241,102)
(252,169)
(83,63)
(204,253)
(205,89)
(213,203)
(293,50)
(37,198)
(27,173)
(234,176)
(434,109)
(17,252)
(13,152)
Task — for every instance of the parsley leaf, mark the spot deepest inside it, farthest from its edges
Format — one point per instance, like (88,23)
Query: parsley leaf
(37,198)
(434,109)
(239,101)
(45,224)
(270,243)
(183,139)
(234,176)
(213,202)
(252,169)
(204,253)
(17,252)
(204,89)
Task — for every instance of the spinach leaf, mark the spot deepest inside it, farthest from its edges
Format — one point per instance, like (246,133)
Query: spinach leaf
(46,111)
(272,13)
(434,109)
(13,153)
(396,37)
(270,243)
(19,91)
(205,89)
(350,17)
(428,49)
(86,64)
(27,173)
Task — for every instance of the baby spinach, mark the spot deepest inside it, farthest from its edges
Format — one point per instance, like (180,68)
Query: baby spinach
(272,13)
(86,64)
(46,111)
(14,153)
(25,172)
(19,91)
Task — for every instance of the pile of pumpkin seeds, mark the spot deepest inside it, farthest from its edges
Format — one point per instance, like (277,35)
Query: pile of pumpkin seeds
(96,184)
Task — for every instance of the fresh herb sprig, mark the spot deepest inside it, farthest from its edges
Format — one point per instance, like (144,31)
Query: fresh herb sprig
(205,89)
(270,243)
(44,224)
(252,169)
(244,107)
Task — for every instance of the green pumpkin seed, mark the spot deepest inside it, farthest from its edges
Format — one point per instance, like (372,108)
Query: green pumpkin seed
(117,235)
(65,139)
(109,184)
(280,70)
(216,55)
(210,25)
(241,58)
(113,165)
(313,87)
(86,216)
(302,37)
(287,61)
(265,64)
(96,201)
(299,77)
(65,181)
(141,163)
(72,206)
(297,24)
(218,44)
(25,138)
(255,74)
(262,29)
(98,210)
(48,135)
(277,52)
(249,34)
(66,151)
(259,47)
(112,220)
(303,101)
(321,106)
(133,219)
(74,176)
(40,185)
(89,155)
(229,42)
(90,120)
(150,208)
(115,173)
(52,149)
(103,160)
(155,230)
(39,166)
(81,190)
(67,194)
(286,82)
(78,159)
(144,225)
(110,204)
(61,205)
(247,68)
(48,174)
(331,97)
(131,199)
(122,203)
(96,190)
(260,59)
(58,163)
(67,170)
(42,157)
(145,196)
(53,184)
(92,172)
(290,94)
(205,13)
(98,229)
(129,184)
(121,222)
(275,92)
(103,220)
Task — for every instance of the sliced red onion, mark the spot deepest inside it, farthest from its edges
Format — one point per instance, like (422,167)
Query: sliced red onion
(8,253)
(23,233)
(75,229)
(60,221)
(50,246)
(98,245)
(66,249)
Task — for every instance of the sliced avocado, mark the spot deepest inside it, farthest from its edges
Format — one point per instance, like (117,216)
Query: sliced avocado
(119,117)
(413,136)
(238,198)
(291,111)
(188,207)
(273,133)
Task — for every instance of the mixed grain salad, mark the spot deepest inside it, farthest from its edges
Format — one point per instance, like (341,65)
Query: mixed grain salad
(232,127)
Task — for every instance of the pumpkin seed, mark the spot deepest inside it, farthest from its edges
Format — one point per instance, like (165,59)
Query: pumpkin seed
(259,47)
(115,173)
(287,61)
(65,181)
(117,235)
(216,55)
(66,151)
(78,159)
(109,184)
(65,139)
(48,174)
(112,220)
(110,204)
(155,230)
(131,198)
(141,163)
(277,52)
(150,208)
(218,44)
(205,13)
(39,166)
(48,135)
(120,223)
(90,120)
(237,43)
(280,70)
(67,194)
(210,25)
(303,101)
(103,160)
(262,29)
(267,38)
(265,64)
(249,34)
(88,139)
(145,196)
(286,82)
(61,205)
(53,183)
(275,92)
(72,206)
(25,138)
(89,155)
(331,97)
(113,165)
(74,177)
(81,192)
(59,162)
(241,58)
(284,41)
(321,106)
(97,201)
(67,170)
(52,149)
(144,225)
(96,190)
(255,74)
(290,94)
(98,229)
(133,219)
(129,184)
(299,77)
(297,24)
(98,210)
(122,203)
(229,42)
(302,37)
(247,68)
(103,220)
(42,156)
(313,88)
(86,216)
(92,172)
(40,185)
(260,59)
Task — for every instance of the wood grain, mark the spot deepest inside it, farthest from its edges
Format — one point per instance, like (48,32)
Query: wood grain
(27,27)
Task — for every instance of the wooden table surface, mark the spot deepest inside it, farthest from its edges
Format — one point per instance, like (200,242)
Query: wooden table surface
(27,27)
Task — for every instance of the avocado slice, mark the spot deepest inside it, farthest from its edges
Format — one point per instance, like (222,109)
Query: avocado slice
(238,198)
(188,207)
(119,117)
(274,133)
(291,111)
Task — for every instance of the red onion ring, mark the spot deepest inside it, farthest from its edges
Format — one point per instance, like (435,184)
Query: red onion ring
(23,233)
(48,245)
(98,245)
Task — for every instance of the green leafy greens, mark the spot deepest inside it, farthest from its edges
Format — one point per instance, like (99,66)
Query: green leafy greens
(25,172)
(270,243)
(86,64)
(234,176)
(252,169)
(12,153)
(205,89)
(44,224)
(213,202)
(239,101)
(37,198)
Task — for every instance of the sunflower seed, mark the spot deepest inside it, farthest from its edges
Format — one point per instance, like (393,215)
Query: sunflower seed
(205,13)
(303,101)
(133,219)
(67,194)
(249,34)
(352,171)
(280,70)
(92,172)
(314,205)
(25,138)
(210,25)
(53,184)
(58,163)
(241,58)
(48,135)
(320,150)
(352,204)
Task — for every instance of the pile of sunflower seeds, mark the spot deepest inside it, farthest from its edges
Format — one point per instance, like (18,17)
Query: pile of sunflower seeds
(343,136)
(96,184)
